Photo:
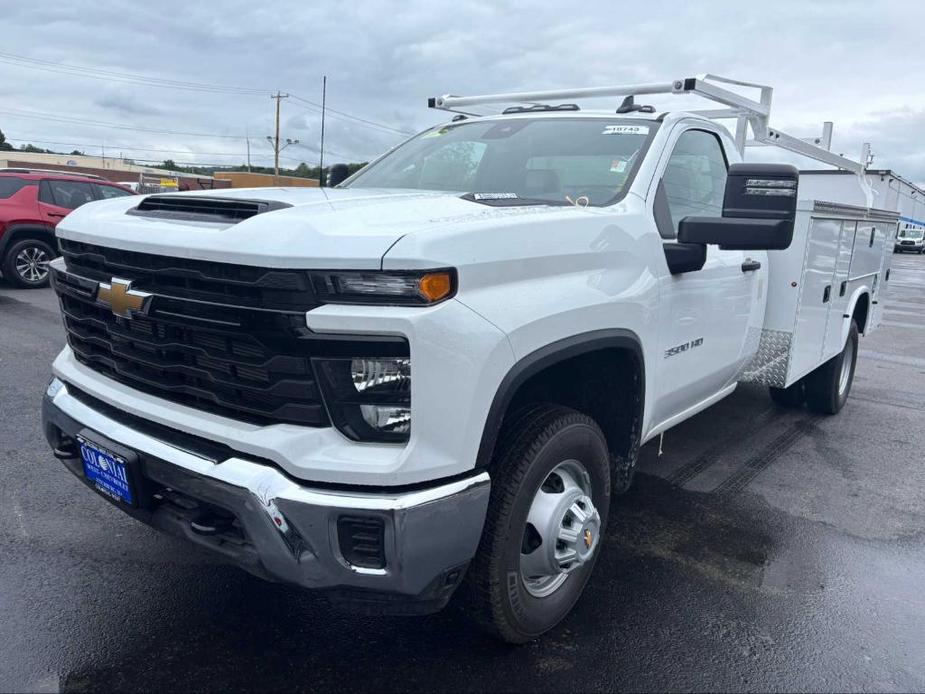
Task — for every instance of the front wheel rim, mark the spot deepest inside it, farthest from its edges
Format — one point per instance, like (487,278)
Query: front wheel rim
(562,530)
(844,377)
(31,264)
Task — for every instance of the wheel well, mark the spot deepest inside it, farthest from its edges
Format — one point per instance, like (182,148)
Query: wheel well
(607,384)
(17,233)
(861,310)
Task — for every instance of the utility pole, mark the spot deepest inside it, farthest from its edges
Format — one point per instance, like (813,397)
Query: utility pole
(248,154)
(324,94)
(279,97)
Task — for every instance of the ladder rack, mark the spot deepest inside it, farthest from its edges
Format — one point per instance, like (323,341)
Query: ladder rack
(746,111)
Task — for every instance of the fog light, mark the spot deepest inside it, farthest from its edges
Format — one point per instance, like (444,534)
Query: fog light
(369,398)
(387,418)
(54,387)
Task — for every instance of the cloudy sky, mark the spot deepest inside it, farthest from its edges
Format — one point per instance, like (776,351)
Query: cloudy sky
(69,72)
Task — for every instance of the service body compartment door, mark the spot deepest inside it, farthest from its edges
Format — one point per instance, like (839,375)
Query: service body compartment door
(879,293)
(809,338)
(840,290)
(868,249)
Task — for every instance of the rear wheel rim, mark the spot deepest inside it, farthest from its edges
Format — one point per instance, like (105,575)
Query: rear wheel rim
(844,377)
(31,264)
(562,530)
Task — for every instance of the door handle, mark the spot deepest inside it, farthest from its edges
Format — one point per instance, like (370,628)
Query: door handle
(827,294)
(750,265)
(57,214)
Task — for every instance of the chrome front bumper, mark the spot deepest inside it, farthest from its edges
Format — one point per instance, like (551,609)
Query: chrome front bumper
(284,529)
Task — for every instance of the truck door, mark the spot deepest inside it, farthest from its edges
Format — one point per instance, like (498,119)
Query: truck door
(711,315)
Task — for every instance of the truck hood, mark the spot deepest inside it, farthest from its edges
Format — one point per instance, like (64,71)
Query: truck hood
(322,228)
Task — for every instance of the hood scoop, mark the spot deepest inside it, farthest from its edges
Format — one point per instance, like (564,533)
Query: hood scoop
(202,208)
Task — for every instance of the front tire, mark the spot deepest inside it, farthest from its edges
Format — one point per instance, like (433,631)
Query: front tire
(550,496)
(26,263)
(828,386)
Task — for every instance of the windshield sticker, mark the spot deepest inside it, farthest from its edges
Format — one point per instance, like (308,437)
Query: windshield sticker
(436,133)
(494,196)
(618,166)
(626,130)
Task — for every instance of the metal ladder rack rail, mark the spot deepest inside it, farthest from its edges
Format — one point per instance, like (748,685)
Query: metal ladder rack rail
(746,111)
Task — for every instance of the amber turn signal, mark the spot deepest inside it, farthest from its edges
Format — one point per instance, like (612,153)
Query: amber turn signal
(435,286)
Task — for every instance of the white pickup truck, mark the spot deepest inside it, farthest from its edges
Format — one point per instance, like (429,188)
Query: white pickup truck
(435,375)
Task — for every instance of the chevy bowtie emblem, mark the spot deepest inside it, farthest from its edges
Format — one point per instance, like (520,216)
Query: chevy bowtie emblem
(121,299)
(589,538)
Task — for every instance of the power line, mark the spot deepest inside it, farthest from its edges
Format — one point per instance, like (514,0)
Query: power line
(314,150)
(348,116)
(110,75)
(39,115)
(134,78)
(122,147)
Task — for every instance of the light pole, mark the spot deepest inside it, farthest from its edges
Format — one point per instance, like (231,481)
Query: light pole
(276,150)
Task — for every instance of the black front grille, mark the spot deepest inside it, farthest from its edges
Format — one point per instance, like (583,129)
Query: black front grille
(243,362)
(240,285)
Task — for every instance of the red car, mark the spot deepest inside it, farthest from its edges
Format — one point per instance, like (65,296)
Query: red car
(31,205)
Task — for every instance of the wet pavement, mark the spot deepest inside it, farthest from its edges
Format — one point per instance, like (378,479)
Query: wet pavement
(764,550)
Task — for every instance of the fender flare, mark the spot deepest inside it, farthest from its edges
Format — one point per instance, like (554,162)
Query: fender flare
(544,357)
(16,230)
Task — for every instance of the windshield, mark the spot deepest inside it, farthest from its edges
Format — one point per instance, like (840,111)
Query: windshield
(913,234)
(556,160)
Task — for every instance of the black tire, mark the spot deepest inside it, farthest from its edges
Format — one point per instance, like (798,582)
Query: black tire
(791,397)
(827,387)
(18,268)
(538,440)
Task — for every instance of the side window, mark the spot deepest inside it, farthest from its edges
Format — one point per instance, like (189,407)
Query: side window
(45,193)
(70,194)
(107,192)
(694,181)
(10,185)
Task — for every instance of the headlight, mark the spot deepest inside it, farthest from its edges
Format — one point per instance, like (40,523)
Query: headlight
(369,399)
(386,287)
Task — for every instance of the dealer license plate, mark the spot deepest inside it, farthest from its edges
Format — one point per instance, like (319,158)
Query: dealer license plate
(107,471)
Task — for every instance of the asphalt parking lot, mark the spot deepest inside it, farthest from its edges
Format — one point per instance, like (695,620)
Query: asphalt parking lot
(764,550)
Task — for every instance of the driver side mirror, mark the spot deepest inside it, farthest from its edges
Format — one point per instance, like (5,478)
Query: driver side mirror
(759,209)
(338,173)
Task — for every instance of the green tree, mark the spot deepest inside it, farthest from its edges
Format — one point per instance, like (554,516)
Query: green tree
(4,145)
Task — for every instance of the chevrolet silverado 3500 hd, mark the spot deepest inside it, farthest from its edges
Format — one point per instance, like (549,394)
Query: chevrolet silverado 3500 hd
(435,375)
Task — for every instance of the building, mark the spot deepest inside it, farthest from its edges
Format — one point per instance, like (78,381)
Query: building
(248,179)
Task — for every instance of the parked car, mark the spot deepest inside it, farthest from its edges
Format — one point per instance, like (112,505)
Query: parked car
(32,203)
(910,241)
(435,375)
